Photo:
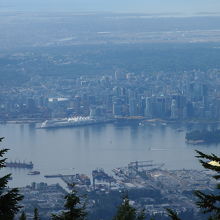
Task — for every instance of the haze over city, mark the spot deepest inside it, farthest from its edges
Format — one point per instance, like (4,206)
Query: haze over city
(113,97)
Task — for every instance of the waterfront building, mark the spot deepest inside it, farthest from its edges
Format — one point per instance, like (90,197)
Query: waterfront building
(149,107)
(174,110)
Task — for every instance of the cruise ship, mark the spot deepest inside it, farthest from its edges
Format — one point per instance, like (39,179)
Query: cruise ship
(19,164)
(73,122)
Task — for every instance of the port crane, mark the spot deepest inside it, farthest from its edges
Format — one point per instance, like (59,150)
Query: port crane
(100,175)
(140,166)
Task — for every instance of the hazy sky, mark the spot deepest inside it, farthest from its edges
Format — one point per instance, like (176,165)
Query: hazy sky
(146,6)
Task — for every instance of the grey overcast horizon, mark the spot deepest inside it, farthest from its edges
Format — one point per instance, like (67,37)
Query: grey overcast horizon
(117,6)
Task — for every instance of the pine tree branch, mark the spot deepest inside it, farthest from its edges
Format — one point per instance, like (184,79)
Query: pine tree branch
(4,182)
(211,157)
(9,198)
(172,214)
(209,203)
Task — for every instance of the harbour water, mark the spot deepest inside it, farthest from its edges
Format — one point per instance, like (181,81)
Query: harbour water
(82,149)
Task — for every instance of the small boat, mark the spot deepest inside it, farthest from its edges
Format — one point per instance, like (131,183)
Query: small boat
(34,173)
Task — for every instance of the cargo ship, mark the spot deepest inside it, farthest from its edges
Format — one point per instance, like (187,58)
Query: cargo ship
(21,165)
(73,122)
(34,173)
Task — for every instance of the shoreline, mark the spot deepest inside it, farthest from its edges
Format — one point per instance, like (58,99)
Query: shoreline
(144,121)
(196,142)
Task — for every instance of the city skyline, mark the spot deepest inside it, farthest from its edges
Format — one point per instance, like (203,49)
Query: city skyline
(110,96)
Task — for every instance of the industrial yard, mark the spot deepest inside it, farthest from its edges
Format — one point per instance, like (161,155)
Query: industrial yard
(148,185)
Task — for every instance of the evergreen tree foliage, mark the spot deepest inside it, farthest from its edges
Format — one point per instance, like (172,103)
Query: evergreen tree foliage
(127,212)
(36,214)
(210,203)
(172,214)
(75,210)
(9,198)
(142,215)
(23,216)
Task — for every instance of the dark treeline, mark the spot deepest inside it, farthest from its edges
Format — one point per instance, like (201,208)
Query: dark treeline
(204,135)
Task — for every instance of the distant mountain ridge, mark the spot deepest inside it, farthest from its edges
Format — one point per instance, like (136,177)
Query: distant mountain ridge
(150,6)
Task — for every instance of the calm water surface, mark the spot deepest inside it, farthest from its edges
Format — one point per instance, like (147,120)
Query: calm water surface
(81,149)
